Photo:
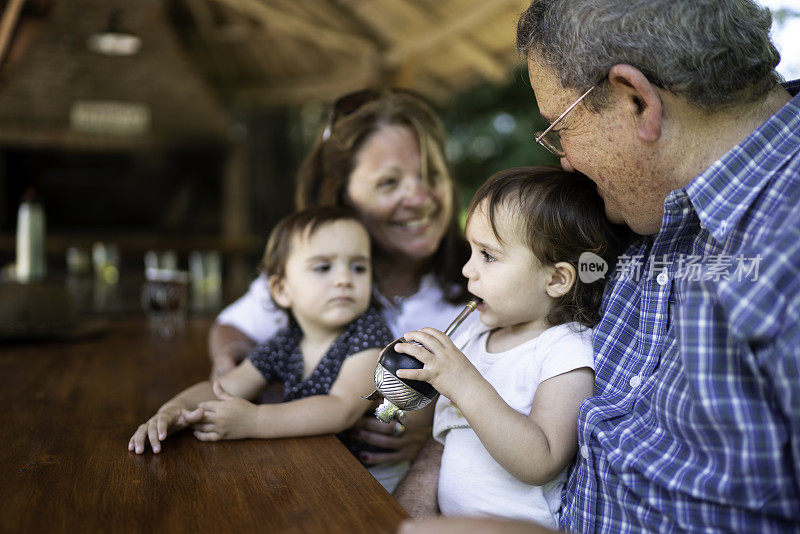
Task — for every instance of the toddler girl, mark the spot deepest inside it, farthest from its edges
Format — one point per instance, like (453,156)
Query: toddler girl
(511,385)
(318,264)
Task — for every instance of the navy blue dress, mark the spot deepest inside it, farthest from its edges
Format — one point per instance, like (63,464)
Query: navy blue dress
(279,359)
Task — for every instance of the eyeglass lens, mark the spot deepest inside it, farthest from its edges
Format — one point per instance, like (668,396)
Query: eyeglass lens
(551,141)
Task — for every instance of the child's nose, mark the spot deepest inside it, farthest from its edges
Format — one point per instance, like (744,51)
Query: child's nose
(343,278)
(467,269)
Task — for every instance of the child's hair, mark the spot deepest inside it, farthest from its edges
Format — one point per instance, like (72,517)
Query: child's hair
(560,216)
(301,223)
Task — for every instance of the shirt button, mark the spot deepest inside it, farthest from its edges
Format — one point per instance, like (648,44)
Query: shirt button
(635,381)
(662,278)
(585,452)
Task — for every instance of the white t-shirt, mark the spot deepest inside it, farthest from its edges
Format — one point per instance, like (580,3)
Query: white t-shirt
(471,482)
(256,315)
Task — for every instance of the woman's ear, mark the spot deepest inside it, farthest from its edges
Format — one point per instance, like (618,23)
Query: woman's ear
(562,278)
(279,292)
(633,88)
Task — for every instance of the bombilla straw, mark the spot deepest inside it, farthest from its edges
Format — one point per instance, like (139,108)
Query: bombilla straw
(469,308)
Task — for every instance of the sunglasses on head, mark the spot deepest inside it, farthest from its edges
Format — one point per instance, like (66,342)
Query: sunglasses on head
(351,102)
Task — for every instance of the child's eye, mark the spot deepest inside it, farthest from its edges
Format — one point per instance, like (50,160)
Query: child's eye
(321,267)
(359,268)
(487,257)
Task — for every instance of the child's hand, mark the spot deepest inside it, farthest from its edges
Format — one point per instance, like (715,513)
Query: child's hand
(227,418)
(166,421)
(446,368)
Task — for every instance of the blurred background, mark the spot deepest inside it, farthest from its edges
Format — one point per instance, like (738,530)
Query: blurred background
(177,125)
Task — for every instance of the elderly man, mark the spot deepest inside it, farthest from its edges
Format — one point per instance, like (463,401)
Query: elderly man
(674,109)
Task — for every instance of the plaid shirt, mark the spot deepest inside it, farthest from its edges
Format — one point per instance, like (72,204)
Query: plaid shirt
(696,420)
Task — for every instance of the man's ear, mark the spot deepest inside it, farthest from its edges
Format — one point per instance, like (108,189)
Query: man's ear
(562,278)
(635,90)
(278,291)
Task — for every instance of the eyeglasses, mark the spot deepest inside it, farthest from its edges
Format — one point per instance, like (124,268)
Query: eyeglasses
(351,102)
(551,139)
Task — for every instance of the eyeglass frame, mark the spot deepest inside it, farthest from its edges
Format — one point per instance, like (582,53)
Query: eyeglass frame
(540,135)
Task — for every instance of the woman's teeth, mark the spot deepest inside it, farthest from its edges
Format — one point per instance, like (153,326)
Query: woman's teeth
(416,223)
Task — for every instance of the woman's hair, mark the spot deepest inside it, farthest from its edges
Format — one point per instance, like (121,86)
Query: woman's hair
(713,53)
(558,215)
(324,175)
(301,223)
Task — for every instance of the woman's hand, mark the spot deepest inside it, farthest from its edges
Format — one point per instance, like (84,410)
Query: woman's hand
(404,441)
(167,420)
(227,346)
(445,367)
(227,418)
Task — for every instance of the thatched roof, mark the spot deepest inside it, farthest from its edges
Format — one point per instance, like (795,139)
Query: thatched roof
(56,91)
(289,51)
(198,56)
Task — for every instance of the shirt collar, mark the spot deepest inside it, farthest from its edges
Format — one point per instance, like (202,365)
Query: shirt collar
(722,193)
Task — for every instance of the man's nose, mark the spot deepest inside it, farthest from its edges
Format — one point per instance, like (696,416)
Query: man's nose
(566,165)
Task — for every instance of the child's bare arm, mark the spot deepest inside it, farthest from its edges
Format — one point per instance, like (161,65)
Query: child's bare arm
(541,444)
(545,441)
(319,414)
(182,410)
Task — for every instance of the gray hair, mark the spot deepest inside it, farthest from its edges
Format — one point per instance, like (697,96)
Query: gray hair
(712,53)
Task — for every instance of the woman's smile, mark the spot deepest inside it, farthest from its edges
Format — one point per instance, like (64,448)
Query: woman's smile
(407,213)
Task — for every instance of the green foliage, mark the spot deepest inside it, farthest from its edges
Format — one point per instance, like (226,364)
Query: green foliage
(490,128)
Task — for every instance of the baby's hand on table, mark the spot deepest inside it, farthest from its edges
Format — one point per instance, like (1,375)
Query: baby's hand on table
(227,418)
(166,421)
(445,367)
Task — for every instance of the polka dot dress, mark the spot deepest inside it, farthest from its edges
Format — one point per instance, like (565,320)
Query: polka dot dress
(279,359)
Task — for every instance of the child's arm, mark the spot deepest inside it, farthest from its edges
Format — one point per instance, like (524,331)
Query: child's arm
(183,409)
(319,414)
(533,448)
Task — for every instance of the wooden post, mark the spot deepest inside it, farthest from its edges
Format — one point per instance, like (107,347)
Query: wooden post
(7,24)
(236,218)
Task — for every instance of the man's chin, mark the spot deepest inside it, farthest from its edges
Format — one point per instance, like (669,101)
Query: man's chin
(613,214)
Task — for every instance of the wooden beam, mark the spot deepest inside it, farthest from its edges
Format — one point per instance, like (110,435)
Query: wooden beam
(7,25)
(326,87)
(281,21)
(403,11)
(451,29)
(202,15)
(320,13)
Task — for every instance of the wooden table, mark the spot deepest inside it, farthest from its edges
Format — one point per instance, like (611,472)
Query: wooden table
(70,408)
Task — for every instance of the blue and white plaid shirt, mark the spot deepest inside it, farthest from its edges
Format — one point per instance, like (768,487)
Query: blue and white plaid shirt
(695,424)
